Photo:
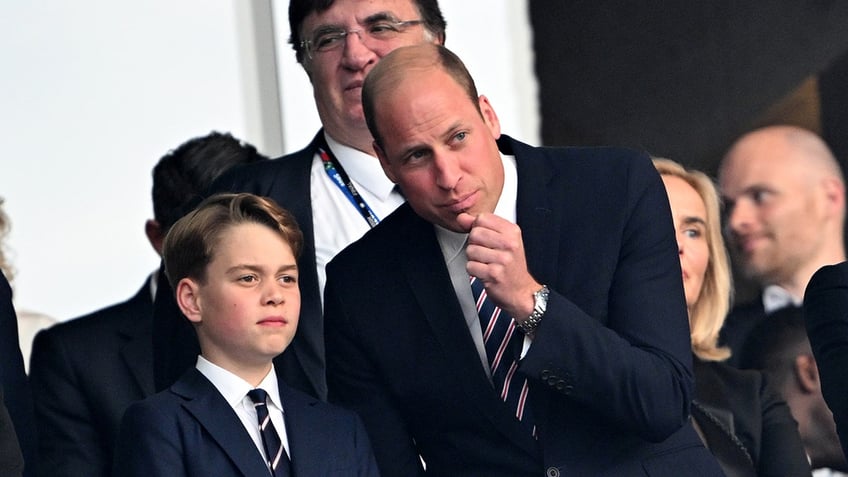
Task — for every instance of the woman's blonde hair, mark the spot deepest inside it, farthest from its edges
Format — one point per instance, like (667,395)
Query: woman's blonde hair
(706,316)
(5,226)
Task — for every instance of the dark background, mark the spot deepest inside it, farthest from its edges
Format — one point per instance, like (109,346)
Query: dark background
(682,79)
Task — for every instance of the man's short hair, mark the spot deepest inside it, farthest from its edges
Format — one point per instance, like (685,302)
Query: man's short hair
(190,244)
(429,10)
(182,176)
(390,71)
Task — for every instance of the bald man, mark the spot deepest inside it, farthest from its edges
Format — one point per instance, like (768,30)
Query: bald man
(784,197)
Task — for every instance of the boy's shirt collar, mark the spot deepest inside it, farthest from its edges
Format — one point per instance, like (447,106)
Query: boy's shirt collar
(233,388)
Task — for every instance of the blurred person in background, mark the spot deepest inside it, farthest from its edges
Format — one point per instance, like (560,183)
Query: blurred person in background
(743,421)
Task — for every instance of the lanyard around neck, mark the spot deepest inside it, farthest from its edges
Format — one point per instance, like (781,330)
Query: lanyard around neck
(337,174)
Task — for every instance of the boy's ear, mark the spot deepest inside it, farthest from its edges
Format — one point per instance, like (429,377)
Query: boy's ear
(188,299)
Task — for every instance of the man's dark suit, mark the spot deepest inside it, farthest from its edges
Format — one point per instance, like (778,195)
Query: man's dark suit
(610,366)
(826,317)
(755,414)
(13,379)
(287,181)
(191,430)
(11,459)
(84,374)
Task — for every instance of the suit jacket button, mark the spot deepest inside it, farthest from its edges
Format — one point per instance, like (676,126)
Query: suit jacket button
(545,374)
(560,384)
(552,472)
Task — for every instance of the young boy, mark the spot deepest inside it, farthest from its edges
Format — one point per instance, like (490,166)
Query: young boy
(233,260)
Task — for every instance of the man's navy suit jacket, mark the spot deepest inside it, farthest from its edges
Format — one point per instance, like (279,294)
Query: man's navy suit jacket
(190,430)
(13,379)
(287,181)
(826,318)
(610,366)
(84,374)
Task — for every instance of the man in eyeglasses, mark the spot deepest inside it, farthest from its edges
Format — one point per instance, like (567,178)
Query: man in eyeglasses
(335,187)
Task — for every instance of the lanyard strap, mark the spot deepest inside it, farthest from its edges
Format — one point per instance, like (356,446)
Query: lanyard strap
(337,174)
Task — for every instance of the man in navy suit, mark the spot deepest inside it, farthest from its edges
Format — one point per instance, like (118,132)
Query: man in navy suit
(11,460)
(17,398)
(233,264)
(337,42)
(87,371)
(826,319)
(576,244)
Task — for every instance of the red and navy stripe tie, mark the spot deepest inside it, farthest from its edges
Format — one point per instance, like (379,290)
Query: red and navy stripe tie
(503,344)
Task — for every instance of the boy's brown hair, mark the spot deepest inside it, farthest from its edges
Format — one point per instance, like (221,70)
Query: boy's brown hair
(190,244)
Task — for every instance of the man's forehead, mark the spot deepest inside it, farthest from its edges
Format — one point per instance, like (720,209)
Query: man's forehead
(757,165)
(344,12)
(761,154)
(748,177)
(420,97)
(775,179)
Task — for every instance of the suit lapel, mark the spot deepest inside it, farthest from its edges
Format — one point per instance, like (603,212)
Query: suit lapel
(425,271)
(214,414)
(136,350)
(533,208)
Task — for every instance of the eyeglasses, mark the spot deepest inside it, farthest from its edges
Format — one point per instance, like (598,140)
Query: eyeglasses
(332,38)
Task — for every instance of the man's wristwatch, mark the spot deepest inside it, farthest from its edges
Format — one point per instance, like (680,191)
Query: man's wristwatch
(529,325)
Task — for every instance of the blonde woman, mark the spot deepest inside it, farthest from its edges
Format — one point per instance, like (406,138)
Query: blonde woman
(744,422)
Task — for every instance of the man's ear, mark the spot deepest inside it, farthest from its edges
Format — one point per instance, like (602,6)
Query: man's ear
(807,373)
(834,191)
(384,161)
(188,299)
(489,116)
(154,233)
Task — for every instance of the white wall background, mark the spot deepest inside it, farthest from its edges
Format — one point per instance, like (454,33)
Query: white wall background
(93,92)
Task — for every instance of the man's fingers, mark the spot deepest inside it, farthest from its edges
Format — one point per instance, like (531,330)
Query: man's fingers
(466,221)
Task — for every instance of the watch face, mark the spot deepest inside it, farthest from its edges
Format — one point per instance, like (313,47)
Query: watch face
(540,302)
(541,297)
